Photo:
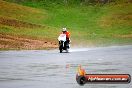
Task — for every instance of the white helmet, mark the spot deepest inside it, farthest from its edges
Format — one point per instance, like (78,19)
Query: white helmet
(64,29)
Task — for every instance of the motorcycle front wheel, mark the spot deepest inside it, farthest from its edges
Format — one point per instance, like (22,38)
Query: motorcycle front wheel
(61,48)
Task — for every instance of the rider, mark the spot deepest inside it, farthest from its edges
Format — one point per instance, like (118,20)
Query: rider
(64,31)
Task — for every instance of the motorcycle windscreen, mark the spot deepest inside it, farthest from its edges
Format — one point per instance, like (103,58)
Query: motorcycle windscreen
(62,37)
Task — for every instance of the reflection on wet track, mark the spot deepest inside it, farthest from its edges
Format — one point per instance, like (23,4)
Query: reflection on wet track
(51,69)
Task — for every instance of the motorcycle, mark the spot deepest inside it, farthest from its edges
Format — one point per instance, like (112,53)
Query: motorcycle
(63,43)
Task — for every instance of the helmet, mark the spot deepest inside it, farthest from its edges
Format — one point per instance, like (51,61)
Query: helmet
(64,29)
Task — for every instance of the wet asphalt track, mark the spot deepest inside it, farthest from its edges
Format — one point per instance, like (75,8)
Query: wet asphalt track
(50,69)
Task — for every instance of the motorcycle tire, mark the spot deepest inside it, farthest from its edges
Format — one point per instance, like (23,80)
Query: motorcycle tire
(60,48)
(60,51)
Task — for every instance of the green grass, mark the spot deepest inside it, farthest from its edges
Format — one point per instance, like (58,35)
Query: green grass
(35,33)
(97,25)
(23,13)
(85,23)
(28,15)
